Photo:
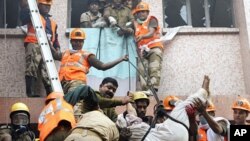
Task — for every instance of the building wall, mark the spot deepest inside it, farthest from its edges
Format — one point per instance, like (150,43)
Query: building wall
(196,52)
(242,22)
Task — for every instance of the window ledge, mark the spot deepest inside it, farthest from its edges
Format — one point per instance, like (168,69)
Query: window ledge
(190,30)
(11,32)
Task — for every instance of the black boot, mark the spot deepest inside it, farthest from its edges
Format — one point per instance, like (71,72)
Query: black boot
(48,89)
(30,86)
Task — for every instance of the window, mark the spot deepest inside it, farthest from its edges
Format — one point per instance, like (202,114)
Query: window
(9,10)
(77,7)
(198,13)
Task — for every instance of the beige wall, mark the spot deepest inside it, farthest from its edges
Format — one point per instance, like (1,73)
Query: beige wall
(195,52)
(242,21)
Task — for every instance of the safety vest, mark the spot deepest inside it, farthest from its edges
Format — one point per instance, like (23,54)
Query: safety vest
(74,66)
(202,135)
(31,35)
(54,112)
(142,29)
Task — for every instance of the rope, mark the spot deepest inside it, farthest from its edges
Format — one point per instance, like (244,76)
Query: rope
(127,52)
(98,51)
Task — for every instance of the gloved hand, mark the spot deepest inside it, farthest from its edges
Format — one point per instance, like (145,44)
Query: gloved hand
(99,24)
(128,24)
(112,21)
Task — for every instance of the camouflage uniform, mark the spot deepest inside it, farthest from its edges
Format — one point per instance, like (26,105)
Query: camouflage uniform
(34,63)
(152,62)
(68,87)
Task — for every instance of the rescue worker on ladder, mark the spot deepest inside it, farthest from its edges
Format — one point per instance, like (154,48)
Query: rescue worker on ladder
(211,128)
(56,118)
(147,31)
(20,122)
(33,56)
(241,109)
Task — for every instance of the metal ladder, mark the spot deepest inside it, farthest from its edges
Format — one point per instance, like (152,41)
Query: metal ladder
(44,46)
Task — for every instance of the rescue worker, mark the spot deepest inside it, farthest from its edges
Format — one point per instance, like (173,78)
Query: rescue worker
(92,18)
(241,109)
(75,62)
(202,135)
(56,118)
(211,128)
(140,104)
(106,91)
(119,16)
(169,104)
(20,125)
(94,125)
(147,31)
(33,56)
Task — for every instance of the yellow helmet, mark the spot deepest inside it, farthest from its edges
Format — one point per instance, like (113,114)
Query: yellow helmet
(138,95)
(52,96)
(242,104)
(142,6)
(19,107)
(77,33)
(210,107)
(169,102)
(47,2)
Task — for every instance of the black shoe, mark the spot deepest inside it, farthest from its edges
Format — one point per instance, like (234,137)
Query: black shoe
(30,86)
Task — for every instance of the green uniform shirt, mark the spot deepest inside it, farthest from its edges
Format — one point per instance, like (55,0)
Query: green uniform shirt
(122,15)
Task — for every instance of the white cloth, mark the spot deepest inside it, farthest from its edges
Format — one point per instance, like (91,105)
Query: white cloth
(211,136)
(112,20)
(168,130)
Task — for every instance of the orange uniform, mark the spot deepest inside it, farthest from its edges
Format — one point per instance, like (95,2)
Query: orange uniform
(31,35)
(56,111)
(142,29)
(74,66)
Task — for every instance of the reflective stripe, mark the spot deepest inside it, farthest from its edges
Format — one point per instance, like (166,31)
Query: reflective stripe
(31,34)
(52,111)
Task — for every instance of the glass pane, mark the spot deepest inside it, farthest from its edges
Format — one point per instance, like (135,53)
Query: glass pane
(197,13)
(221,9)
(175,12)
(12,16)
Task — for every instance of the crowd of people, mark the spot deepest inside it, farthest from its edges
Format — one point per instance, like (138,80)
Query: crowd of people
(81,113)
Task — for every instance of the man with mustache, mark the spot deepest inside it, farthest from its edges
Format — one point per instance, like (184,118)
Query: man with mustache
(107,89)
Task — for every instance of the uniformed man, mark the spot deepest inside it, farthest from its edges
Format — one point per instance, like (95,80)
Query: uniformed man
(119,15)
(147,31)
(20,125)
(92,18)
(241,109)
(33,56)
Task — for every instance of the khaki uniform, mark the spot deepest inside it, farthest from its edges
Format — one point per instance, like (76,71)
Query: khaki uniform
(94,126)
(122,15)
(58,135)
(88,17)
(82,107)
(109,112)
(152,63)
(34,63)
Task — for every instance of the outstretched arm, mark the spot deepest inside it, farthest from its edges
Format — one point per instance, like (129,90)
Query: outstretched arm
(215,126)
(93,61)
